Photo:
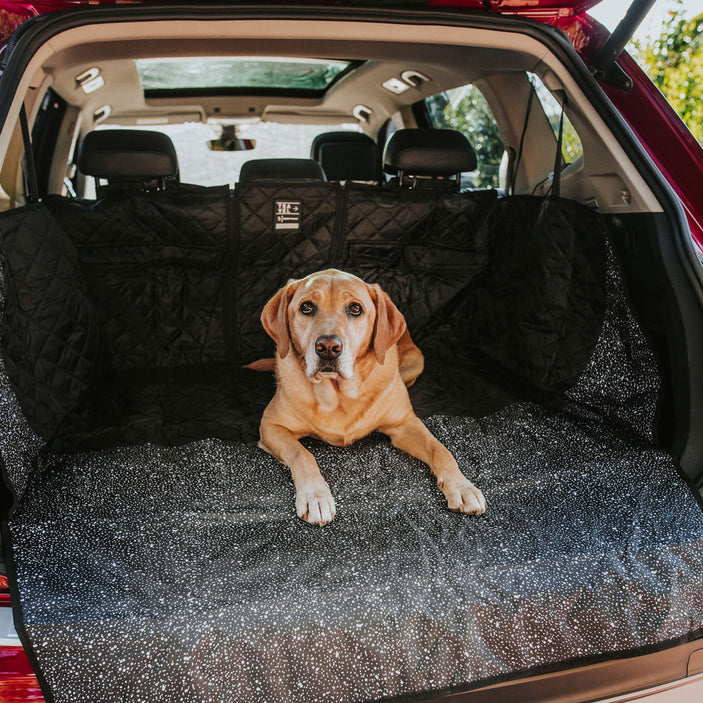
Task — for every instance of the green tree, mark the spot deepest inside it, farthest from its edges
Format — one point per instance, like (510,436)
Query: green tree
(674,61)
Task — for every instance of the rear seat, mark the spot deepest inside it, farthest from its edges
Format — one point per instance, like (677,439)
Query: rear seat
(178,277)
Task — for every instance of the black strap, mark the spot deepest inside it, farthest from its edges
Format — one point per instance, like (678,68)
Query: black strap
(558,160)
(31,184)
(516,165)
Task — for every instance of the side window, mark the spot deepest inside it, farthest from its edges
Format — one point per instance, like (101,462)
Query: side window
(466,110)
(571,144)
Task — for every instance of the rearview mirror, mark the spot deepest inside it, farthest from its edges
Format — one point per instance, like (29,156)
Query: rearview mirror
(231,141)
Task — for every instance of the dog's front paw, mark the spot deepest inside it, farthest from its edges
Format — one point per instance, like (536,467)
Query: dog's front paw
(314,503)
(462,496)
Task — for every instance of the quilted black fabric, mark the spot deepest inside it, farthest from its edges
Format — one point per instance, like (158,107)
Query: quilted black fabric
(54,347)
(285,230)
(528,322)
(421,246)
(156,266)
(505,297)
(538,308)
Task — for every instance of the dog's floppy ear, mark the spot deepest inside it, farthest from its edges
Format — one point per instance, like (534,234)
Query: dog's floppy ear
(390,323)
(274,317)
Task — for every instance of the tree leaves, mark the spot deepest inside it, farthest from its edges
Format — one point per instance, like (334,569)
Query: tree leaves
(674,61)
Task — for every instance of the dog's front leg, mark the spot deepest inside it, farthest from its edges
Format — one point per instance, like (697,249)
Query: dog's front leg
(414,438)
(313,499)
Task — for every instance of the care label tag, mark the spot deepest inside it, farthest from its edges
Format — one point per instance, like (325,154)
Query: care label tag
(287,214)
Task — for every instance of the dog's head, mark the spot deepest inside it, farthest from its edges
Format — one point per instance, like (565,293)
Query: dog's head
(331,320)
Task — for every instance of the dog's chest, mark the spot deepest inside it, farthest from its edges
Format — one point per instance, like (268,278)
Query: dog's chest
(341,437)
(342,418)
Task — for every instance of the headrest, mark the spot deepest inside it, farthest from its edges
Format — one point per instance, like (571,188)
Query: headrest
(127,155)
(347,156)
(428,152)
(281,170)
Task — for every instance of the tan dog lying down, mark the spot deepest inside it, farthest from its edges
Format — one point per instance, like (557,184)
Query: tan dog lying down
(343,364)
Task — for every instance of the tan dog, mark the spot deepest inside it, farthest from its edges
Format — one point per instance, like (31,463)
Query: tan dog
(343,363)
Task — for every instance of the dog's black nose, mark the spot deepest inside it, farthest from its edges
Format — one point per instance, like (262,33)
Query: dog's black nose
(328,346)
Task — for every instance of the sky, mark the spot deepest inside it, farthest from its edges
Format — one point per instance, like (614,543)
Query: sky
(610,12)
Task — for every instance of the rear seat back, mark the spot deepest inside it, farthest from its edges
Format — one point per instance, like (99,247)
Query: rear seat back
(285,222)
(178,278)
(421,244)
(154,260)
(284,229)
(155,265)
(210,259)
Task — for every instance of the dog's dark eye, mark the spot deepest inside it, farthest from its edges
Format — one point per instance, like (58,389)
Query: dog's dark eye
(307,308)
(355,310)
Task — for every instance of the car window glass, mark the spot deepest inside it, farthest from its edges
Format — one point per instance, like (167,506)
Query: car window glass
(466,110)
(571,144)
(277,73)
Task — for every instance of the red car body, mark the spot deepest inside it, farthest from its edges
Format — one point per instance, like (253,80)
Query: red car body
(662,133)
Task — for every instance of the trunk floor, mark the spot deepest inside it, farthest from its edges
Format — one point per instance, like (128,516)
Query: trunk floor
(184,574)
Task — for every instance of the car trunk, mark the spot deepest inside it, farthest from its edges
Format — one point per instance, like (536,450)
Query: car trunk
(153,548)
(156,547)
